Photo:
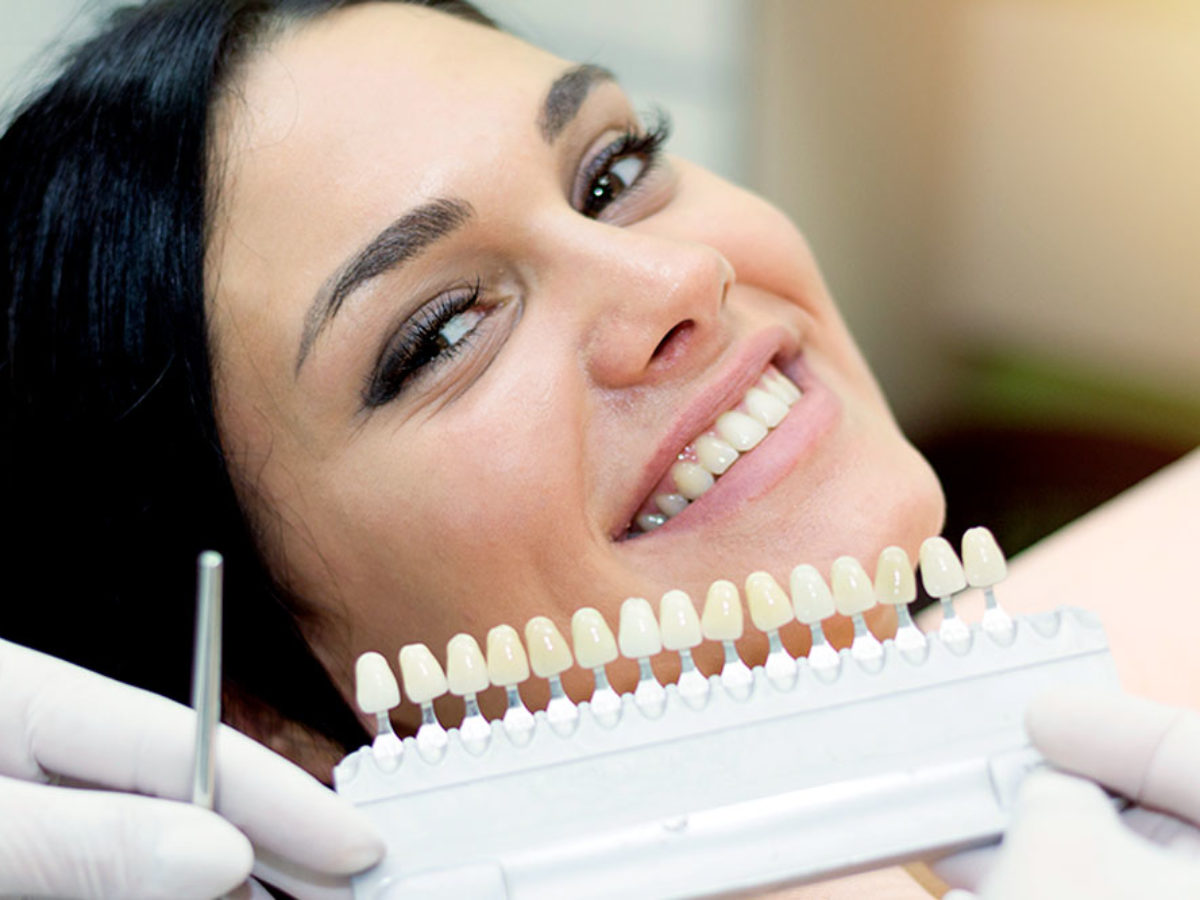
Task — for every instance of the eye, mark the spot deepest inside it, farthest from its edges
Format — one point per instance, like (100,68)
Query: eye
(621,165)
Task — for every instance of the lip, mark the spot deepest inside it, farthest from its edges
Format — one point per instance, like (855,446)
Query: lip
(759,470)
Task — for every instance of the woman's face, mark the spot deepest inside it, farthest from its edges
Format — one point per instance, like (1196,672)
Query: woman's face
(465,319)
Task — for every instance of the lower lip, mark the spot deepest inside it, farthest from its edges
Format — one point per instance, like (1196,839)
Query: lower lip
(757,472)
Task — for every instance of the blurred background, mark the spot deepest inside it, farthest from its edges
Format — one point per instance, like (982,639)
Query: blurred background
(1004,196)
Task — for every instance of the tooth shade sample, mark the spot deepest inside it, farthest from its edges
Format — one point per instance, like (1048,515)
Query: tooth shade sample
(506,660)
(770,608)
(671,505)
(740,431)
(812,600)
(982,558)
(714,454)
(692,480)
(375,685)
(765,408)
(548,651)
(940,569)
(722,619)
(423,677)
(895,582)
(593,639)
(466,669)
(639,636)
(678,622)
(853,593)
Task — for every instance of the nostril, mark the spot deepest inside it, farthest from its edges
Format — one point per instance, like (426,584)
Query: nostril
(673,341)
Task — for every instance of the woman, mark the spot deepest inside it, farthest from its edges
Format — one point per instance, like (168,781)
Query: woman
(412,320)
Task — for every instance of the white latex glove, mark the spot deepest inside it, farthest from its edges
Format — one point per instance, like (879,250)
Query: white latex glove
(1067,840)
(57,719)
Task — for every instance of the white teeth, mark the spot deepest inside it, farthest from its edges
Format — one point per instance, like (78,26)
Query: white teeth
(466,669)
(895,583)
(812,600)
(714,454)
(506,661)
(671,505)
(740,431)
(691,479)
(853,593)
(770,608)
(764,407)
(722,618)
(982,559)
(423,677)
(678,622)
(592,638)
(548,651)
(375,684)
(941,571)
(650,521)
(639,636)
(782,387)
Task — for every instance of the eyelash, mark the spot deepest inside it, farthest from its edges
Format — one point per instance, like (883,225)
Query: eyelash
(419,347)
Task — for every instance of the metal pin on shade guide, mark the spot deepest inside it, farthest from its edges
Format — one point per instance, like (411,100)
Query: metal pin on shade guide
(206,675)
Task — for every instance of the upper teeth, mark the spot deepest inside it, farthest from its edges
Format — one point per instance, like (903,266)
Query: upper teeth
(711,454)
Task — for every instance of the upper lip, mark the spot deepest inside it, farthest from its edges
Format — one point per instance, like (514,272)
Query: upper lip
(723,391)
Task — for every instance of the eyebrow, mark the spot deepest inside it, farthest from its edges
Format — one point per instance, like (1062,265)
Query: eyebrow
(566,95)
(403,240)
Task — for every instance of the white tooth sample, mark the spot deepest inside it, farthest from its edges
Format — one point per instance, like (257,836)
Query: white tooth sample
(715,454)
(722,621)
(854,594)
(595,647)
(770,609)
(943,577)
(812,601)
(692,480)
(896,585)
(740,431)
(680,627)
(550,657)
(650,521)
(639,639)
(985,567)
(466,676)
(377,692)
(508,666)
(765,408)
(671,505)
(424,680)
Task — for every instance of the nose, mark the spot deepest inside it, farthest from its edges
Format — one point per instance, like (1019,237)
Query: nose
(653,307)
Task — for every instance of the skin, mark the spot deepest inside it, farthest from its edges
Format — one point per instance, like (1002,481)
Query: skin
(491,489)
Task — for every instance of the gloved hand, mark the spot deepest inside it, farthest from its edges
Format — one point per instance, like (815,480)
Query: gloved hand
(1067,840)
(57,719)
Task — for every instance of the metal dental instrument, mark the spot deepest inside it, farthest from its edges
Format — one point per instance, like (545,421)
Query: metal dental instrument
(206,674)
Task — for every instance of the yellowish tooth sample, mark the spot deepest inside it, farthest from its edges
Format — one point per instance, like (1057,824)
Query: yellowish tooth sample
(722,618)
(940,569)
(423,676)
(638,635)
(548,651)
(769,605)
(678,622)
(466,669)
(506,661)
(812,600)
(692,480)
(853,593)
(375,685)
(765,408)
(982,558)
(740,431)
(714,454)
(895,583)
(592,638)
(671,505)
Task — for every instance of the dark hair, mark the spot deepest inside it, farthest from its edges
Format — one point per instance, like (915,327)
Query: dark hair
(114,476)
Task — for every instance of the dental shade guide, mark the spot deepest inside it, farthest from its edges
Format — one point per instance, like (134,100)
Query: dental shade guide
(723,621)
(595,647)
(639,639)
(377,692)
(917,751)
(944,577)
(770,610)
